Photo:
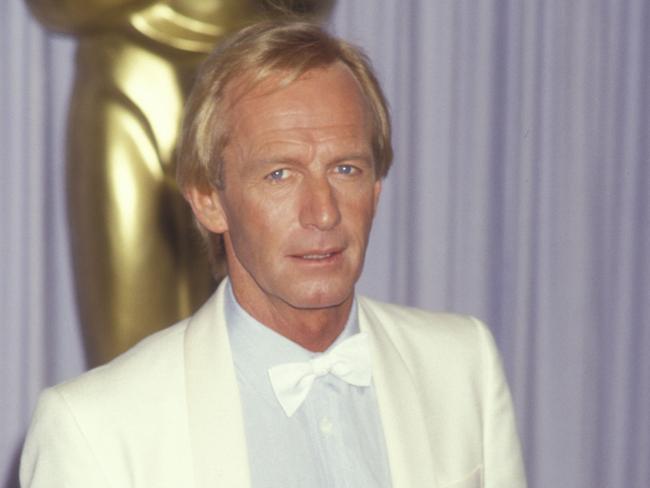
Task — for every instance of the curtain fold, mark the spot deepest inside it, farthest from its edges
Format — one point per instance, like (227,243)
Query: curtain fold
(40,342)
(519,193)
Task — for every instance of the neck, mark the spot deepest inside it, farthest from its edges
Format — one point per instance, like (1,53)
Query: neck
(314,329)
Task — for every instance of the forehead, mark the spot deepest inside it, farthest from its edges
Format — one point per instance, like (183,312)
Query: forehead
(320,97)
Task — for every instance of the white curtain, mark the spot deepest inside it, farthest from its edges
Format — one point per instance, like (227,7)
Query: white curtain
(39,335)
(520,193)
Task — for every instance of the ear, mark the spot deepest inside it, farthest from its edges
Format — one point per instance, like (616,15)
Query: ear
(207,208)
(377,192)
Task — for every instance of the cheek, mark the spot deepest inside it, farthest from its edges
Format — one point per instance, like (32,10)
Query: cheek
(257,224)
(362,212)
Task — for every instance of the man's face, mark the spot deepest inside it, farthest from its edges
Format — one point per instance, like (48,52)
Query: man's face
(299,191)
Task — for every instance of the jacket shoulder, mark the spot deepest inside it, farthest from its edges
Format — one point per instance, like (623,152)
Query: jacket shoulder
(102,424)
(427,338)
(125,399)
(157,358)
(416,320)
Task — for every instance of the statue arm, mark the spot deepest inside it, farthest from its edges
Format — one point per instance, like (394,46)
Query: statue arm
(188,25)
(75,16)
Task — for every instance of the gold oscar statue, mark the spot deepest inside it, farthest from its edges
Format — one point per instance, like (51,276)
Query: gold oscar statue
(138,264)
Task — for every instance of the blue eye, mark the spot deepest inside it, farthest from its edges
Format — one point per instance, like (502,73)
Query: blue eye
(277,175)
(345,169)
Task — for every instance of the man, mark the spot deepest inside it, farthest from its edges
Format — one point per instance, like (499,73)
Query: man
(284,377)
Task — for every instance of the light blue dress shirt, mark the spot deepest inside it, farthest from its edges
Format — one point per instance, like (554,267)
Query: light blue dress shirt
(334,440)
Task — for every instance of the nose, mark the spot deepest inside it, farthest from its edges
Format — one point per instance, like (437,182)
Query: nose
(319,207)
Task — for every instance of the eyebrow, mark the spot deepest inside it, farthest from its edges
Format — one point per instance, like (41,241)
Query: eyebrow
(272,161)
(365,156)
(360,156)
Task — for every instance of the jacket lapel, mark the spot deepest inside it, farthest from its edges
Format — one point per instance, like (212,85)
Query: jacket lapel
(214,408)
(409,451)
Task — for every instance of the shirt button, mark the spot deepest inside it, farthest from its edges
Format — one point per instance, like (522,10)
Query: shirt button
(326,426)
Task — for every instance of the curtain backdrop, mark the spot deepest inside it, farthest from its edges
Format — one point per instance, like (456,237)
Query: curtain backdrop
(520,194)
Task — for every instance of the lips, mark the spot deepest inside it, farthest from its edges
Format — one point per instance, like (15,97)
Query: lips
(317,255)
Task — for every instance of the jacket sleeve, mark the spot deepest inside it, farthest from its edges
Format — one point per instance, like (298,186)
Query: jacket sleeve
(56,453)
(503,466)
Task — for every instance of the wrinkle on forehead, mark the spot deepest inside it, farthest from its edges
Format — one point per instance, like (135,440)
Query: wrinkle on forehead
(246,93)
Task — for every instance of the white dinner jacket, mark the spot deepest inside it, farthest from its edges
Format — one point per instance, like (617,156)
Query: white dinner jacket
(167,413)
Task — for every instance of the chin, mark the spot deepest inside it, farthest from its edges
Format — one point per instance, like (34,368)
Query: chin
(309,297)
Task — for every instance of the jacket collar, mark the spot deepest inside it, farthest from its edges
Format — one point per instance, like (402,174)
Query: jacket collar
(409,450)
(215,416)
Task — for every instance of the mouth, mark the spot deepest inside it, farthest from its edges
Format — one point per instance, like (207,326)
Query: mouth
(318,256)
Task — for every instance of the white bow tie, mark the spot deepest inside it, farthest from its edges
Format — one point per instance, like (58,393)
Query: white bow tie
(349,360)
